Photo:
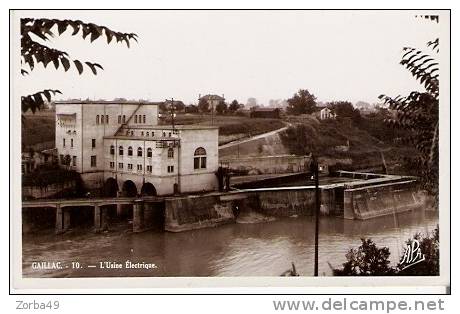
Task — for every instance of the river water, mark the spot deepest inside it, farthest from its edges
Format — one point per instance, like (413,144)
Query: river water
(258,249)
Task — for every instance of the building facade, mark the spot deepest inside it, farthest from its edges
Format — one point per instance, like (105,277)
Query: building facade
(120,147)
(212,100)
(326,113)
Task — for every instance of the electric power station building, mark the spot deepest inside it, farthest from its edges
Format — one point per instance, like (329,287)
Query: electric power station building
(120,146)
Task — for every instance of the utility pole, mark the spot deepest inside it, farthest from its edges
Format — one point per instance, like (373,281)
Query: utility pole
(172,112)
(315,172)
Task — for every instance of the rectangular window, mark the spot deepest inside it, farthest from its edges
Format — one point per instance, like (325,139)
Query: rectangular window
(119,119)
(112,165)
(149,169)
(203,162)
(135,118)
(63,142)
(196,163)
(93,161)
(130,166)
(139,167)
(74,161)
(170,169)
(71,142)
(143,118)
(120,165)
(93,143)
(124,119)
(61,159)
(106,119)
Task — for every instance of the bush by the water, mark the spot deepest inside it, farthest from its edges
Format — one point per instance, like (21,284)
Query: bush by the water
(370,260)
(47,175)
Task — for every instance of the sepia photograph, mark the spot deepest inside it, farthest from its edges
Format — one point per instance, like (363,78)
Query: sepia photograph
(231,143)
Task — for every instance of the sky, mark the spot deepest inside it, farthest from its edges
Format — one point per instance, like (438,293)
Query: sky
(336,55)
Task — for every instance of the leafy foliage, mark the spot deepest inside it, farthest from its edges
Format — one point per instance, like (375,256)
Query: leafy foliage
(47,175)
(418,113)
(370,260)
(203,105)
(234,106)
(301,102)
(345,109)
(33,52)
(366,260)
(221,107)
(429,245)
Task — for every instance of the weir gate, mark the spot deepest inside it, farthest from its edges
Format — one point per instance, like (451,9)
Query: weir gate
(365,196)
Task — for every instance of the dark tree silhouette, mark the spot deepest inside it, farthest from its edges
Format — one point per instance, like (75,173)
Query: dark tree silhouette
(366,260)
(203,105)
(301,102)
(221,107)
(33,52)
(234,106)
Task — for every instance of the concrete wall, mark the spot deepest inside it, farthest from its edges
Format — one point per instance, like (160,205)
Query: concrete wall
(380,200)
(47,191)
(189,213)
(287,203)
(269,164)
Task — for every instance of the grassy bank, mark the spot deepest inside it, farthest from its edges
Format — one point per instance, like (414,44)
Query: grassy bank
(341,140)
(38,128)
(230,125)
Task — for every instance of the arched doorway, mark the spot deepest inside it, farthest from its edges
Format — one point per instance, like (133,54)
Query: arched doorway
(129,189)
(110,188)
(148,189)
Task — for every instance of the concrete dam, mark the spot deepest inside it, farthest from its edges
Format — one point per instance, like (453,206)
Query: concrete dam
(357,196)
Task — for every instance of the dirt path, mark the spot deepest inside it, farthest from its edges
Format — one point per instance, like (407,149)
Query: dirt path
(256,137)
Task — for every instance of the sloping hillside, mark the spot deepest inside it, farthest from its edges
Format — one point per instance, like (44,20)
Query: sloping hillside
(342,140)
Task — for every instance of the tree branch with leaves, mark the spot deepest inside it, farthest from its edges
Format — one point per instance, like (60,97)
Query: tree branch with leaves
(418,113)
(34,52)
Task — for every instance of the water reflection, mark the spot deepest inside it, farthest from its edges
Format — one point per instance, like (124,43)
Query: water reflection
(265,249)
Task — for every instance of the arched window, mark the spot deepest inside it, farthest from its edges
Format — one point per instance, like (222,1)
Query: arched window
(120,150)
(142,133)
(170,153)
(130,151)
(135,119)
(149,152)
(199,159)
(139,152)
(112,150)
(143,118)
(97,119)
(147,134)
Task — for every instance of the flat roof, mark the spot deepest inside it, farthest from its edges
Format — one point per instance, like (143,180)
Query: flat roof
(106,102)
(141,138)
(169,127)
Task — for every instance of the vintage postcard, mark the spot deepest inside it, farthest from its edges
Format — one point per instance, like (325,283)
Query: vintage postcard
(213,148)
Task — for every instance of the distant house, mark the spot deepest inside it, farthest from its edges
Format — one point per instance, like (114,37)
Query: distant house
(324,113)
(272,113)
(213,100)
